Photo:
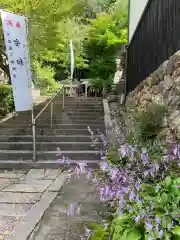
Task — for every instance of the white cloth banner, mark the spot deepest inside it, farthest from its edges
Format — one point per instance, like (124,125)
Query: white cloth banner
(15,35)
(72,58)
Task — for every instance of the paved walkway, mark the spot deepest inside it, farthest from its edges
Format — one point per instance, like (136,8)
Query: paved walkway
(34,205)
(24,197)
(63,223)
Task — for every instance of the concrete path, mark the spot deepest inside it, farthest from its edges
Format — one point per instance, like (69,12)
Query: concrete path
(24,197)
(34,205)
(63,223)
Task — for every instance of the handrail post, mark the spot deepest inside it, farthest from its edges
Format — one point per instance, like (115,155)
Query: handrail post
(51,115)
(63,97)
(34,136)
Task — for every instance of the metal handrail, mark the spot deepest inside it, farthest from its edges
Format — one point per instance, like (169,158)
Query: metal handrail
(34,119)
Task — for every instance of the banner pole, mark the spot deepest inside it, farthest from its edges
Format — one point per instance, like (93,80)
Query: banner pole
(32,109)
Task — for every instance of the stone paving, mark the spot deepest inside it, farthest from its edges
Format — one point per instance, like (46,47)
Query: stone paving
(59,224)
(20,193)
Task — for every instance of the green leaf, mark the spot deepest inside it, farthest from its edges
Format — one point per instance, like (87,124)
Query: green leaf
(168,181)
(176,237)
(164,198)
(176,230)
(133,234)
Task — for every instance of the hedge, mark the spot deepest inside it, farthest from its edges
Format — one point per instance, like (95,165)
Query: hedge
(6,99)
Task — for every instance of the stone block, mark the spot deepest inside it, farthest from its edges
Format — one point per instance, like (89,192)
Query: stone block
(29,222)
(7,224)
(36,174)
(4,182)
(177,80)
(14,210)
(174,101)
(11,174)
(12,197)
(146,97)
(39,174)
(52,173)
(26,188)
(58,183)
(168,82)
(156,89)
(45,182)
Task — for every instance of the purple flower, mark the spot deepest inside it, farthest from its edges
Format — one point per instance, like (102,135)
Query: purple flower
(77,172)
(131,196)
(146,173)
(137,219)
(149,226)
(158,220)
(161,232)
(144,156)
(169,226)
(156,167)
(104,166)
(138,199)
(114,173)
(125,189)
(178,186)
(121,205)
(123,151)
(166,158)
(176,151)
(71,209)
(137,186)
(89,174)
(157,227)
(82,167)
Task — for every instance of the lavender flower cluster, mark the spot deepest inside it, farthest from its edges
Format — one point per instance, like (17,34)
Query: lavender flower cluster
(121,185)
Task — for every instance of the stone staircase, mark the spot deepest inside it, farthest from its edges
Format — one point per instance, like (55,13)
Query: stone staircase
(69,136)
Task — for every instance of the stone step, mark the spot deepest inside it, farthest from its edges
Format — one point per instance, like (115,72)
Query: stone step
(73,117)
(72,109)
(49,138)
(48,131)
(82,99)
(40,164)
(50,146)
(61,120)
(16,155)
(55,126)
(46,127)
(84,122)
(80,103)
(59,115)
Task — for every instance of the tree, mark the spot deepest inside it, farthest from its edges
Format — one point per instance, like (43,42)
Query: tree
(51,24)
(106,35)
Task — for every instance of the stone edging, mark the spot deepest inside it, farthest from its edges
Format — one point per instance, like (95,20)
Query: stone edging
(26,226)
(107,117)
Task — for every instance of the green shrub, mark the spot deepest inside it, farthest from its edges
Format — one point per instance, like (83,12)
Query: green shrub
(45,79)
(157,209)
(149,123)
(6,100)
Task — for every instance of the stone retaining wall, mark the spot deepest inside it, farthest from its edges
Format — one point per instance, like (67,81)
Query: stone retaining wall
(161,87)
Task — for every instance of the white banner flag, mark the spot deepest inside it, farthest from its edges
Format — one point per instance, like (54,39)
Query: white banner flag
(15,35)
(72,58)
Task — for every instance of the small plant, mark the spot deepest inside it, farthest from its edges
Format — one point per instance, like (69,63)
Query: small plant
(99,232)
(124,228)
(150,122)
